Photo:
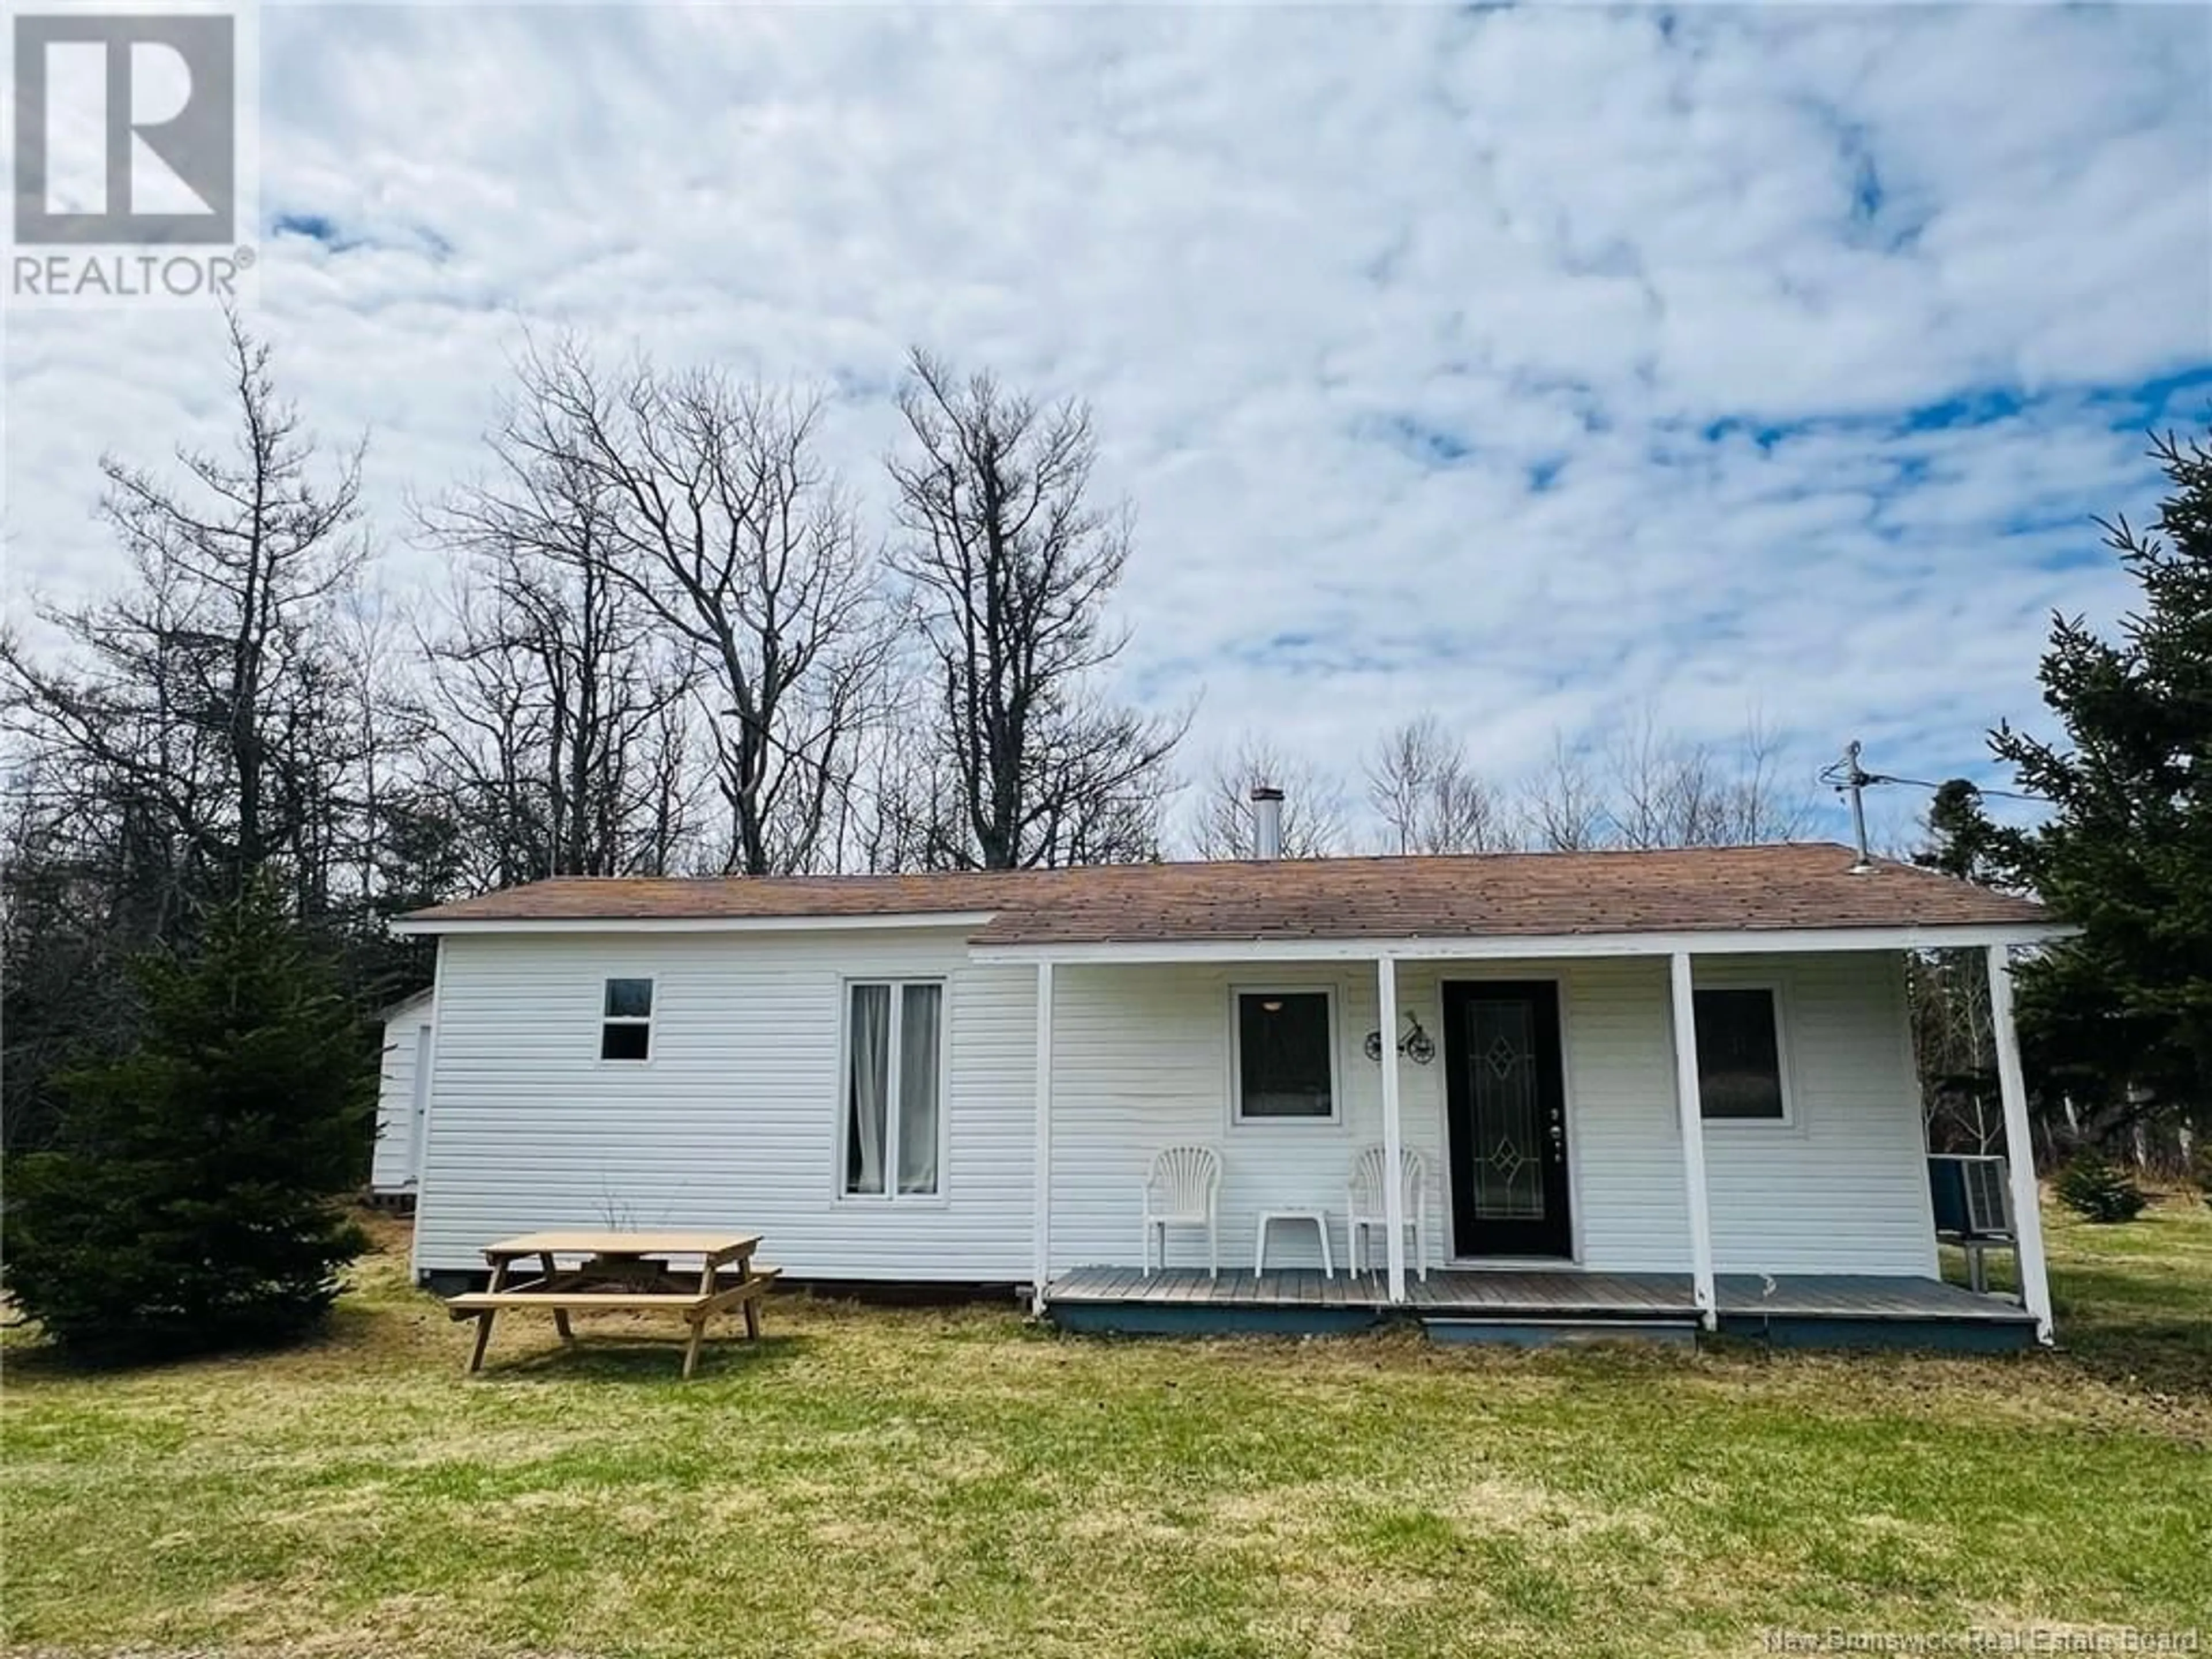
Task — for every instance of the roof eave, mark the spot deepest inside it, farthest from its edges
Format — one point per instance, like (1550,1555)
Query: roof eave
(430,923)
(393,1010)
(1511,946)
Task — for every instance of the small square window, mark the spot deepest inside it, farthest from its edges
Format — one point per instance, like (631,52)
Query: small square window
(1285,1056)
(626,1025)
(1739,1056)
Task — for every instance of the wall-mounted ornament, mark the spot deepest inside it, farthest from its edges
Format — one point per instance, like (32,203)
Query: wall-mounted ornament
(1416,1045)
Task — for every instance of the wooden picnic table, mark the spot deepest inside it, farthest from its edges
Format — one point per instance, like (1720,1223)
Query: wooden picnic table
(619,1273)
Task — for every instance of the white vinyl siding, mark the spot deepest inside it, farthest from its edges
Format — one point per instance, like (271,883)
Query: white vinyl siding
(735,1121)
(1145,1062)
(1844,1187)
(1630,1211)
(391,1161)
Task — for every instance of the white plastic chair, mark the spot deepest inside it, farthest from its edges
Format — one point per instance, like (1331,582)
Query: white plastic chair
(1366,1201)
(1183,1190)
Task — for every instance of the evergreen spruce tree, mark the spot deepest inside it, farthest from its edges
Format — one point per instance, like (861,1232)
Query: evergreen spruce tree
(1963,843)
(2122,1016)
(189,1201)
(2097,1192)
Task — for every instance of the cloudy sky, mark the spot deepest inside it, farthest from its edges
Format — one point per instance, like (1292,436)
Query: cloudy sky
(1538,367)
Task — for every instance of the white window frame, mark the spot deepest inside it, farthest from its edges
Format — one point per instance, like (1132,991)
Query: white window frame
(1778,1000)
(890,1195)
(652,1003)
(1237,1115)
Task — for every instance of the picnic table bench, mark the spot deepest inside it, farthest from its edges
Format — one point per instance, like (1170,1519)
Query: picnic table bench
(619,1273)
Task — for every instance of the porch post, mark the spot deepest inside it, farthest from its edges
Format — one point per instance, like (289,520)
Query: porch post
(1691,1108)
(2020,1146)
(1041,1215)
(1394,1186)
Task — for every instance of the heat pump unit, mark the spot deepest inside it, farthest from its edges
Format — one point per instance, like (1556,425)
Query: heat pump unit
(1972,1194)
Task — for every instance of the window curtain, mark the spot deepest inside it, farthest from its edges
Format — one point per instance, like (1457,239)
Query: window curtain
(918,1044)
(869,1089)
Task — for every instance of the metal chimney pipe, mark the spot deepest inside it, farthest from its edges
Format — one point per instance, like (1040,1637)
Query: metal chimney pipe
(1266,822)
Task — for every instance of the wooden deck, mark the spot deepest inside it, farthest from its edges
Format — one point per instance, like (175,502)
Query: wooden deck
(1812,1306)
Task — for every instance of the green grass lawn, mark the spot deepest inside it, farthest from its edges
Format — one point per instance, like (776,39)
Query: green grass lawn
(960,1483)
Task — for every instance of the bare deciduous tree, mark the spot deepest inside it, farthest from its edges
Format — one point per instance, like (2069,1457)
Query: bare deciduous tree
(74,900)
(374,692)
(745,546)
(1648,787)
(1669,791)
(1947,995)
(1315,816)
(554,714)
(1011,569)
(1563,806)
(1429,798)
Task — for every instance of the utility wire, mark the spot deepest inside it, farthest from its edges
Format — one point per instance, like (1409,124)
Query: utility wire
(1848,778)
(1840,775)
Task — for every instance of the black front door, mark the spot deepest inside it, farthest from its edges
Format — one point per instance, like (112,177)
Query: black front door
(1505,1095)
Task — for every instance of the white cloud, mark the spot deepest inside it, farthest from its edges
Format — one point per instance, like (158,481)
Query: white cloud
(1406,330)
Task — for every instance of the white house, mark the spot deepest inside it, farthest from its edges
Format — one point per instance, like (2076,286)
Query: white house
(403,1096)
(1669,1088)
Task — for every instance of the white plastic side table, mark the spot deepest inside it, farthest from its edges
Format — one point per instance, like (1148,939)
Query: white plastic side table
(1320,1220)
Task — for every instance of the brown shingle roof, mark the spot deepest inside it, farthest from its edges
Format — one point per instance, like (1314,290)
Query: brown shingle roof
(1797,885)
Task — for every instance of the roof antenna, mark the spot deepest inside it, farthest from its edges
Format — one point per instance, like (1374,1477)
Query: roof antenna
(1853,781)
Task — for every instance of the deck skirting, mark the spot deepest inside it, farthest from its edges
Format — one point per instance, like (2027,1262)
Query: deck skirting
(1796,1310)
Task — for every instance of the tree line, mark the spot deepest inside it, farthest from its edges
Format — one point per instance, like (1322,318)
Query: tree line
(672,642)
(1418,791)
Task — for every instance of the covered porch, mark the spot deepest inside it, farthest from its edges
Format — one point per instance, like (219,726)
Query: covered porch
(1661,1211)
